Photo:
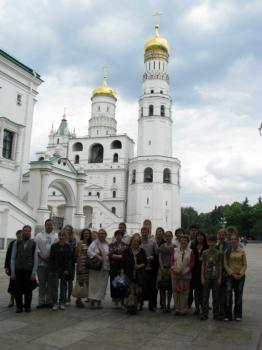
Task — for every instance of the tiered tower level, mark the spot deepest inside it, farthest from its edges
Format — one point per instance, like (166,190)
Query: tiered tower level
(154,175)
(155,114)
(102,121)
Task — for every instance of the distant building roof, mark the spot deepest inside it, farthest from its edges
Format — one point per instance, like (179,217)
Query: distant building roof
(19,64)
(63,129)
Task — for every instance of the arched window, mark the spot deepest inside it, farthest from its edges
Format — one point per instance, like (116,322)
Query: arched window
(116,144)
(77,147)
(167,176)
(141,112)
(147,201)
(151,110)
(113,210)
(96,153)
(89,194)
(77,159)
(114,180)
(114,194)
(115,158)
(148,175)
(98,194)
(41,158)
(134,176)
(162,111)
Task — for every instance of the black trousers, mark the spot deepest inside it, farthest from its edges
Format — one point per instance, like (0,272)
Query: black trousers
(23,286)
(150,288)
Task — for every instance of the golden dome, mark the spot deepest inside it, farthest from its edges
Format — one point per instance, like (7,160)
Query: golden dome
(156,42)
(104,89)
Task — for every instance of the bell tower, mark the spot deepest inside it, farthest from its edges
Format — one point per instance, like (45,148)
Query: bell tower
(154,175)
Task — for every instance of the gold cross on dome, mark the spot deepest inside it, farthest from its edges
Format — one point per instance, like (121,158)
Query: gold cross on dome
(157,14)
(105,74)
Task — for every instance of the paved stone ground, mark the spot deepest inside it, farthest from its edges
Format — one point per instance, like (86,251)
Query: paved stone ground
(109,329)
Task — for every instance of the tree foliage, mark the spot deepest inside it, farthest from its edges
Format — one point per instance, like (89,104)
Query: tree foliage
(247,218)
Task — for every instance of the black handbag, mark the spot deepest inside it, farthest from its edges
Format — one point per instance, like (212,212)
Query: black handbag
(94,263)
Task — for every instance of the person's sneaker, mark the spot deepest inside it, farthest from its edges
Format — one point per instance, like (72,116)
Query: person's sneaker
(62,307)
(55,307)
(238,319)
(226,319)
(18,311)
(28,309)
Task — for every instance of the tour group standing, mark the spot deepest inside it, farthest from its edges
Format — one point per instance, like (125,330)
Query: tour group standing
(185,268)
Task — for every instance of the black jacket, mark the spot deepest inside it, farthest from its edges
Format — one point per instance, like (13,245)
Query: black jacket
(8,255)
(60,258)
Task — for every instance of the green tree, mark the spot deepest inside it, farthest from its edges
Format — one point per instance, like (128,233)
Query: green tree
(189,216)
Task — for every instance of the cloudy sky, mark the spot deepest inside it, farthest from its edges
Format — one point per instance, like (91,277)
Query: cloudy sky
(215,73)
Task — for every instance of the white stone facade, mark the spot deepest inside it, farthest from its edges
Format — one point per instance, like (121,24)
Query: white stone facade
(18,91)
(96,180)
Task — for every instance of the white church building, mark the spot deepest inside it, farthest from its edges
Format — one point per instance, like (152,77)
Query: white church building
(94,180)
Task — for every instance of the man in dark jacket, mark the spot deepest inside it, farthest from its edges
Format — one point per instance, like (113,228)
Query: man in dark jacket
(24,263)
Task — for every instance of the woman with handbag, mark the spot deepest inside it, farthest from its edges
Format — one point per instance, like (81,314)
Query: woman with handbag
(81,288)
(182,262)
(164,278)
(116,256)
(98,263)
(134,262)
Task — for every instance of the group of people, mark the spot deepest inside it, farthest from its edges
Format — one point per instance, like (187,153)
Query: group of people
(141,269)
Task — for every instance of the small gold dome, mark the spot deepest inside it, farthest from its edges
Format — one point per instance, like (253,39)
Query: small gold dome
(104,90)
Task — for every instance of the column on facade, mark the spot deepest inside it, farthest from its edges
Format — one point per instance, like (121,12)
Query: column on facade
(44,190)
(18,146)
(69,215)
(1,140)
(79,196)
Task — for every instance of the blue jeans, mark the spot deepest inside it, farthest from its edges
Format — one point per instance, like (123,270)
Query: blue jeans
(237,286)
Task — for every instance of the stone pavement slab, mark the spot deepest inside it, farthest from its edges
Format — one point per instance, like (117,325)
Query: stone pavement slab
(61,338)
